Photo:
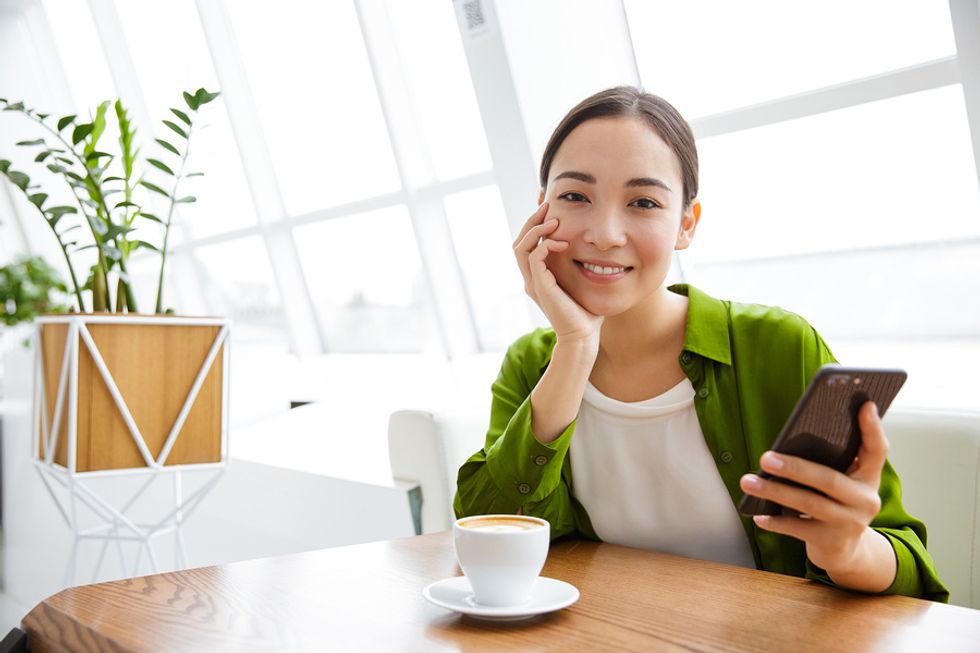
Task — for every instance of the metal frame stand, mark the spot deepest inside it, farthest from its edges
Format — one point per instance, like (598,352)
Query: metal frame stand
(74,486)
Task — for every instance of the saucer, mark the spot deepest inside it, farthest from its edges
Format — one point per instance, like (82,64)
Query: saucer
(455,594)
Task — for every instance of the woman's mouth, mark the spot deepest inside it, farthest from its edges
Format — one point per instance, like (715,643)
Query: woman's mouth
(602,271)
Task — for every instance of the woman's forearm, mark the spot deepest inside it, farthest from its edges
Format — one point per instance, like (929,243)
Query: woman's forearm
(556,398)
(873,568)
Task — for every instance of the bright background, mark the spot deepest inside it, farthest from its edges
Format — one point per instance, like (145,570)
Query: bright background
(369,160)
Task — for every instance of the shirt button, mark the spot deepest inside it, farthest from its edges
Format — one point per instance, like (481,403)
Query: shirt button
(524,488)
(540,460)
(726,456)
(703,392)
(687,357)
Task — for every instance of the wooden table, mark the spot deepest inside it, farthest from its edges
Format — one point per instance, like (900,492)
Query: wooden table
(369,597)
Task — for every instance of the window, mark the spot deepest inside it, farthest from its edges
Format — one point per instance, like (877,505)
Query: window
(223,202)
(313,86)
(709,56)
(493,281)
(367,283)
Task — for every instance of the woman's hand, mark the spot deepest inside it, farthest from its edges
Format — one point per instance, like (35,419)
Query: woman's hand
(834,527)
(571,322)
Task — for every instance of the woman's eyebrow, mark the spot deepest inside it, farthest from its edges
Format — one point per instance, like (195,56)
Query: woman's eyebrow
(632,183)
(647,181)
(574,174)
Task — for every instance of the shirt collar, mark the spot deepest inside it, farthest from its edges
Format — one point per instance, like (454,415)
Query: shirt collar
(707,325)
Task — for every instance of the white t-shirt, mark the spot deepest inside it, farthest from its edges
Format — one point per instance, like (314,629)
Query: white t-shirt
(644,474)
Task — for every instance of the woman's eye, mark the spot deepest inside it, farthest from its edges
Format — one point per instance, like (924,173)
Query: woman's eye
(573,197)
(645,203)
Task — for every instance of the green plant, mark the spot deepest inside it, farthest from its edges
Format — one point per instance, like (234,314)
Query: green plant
(110,193)
(26,288)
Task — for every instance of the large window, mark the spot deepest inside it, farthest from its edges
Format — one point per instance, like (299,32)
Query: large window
(838,169)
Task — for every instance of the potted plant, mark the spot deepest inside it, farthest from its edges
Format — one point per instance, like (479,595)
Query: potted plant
(122,389)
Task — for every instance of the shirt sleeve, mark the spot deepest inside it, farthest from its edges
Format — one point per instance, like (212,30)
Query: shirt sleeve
(916,573)
(514,472)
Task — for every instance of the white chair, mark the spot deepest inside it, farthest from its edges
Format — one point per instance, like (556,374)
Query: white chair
(937,455)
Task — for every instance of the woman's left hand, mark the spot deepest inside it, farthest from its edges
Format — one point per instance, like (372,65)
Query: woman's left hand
(834,527)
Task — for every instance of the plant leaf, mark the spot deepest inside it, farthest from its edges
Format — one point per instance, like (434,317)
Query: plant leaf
(108,179)
(160,165)
(111,252)
(203,97)
(126,204)
(191,101)
(167,146)
(92,156)
(65,160)
(65,121)
(175,128)
(154,188)
(42,156)
(142,243)
(80,132)
(37,199)
(19,179)
(189,199)
(4,165)
(183,116)
(37,141)
(194,174)
(118,230)
(55,168)
(150,216)
(16,106)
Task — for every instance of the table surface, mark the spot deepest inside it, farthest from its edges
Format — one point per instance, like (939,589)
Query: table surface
(369,597)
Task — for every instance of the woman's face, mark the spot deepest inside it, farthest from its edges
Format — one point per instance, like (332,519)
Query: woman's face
(615,187)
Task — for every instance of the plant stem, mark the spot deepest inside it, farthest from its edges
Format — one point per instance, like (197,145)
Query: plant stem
(71,268)
(101,198)
(170,214)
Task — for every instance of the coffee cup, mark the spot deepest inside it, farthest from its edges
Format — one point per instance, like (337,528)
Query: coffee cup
(501,555)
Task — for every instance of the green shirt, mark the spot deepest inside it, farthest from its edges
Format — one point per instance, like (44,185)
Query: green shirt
(749,364)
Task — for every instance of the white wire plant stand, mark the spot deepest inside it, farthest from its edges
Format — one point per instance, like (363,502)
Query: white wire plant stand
(73,489)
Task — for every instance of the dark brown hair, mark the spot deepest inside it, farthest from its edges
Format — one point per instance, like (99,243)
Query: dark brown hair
(629,101)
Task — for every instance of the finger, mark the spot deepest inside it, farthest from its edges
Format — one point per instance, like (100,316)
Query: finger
(801,529)
(536,218)
(802,500)
(838,486)
(534,235)
(874,446)
(536,261)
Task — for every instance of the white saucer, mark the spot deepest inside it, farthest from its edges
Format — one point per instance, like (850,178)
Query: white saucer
(455,594)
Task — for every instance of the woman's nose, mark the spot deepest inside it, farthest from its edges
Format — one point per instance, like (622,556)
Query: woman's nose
(606,230)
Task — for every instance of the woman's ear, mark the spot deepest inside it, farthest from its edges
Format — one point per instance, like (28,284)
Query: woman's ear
(689,224)
(541,197)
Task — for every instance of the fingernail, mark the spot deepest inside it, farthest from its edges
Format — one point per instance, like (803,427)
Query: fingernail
(874,407)
(772,461)
(761,520)
(752,482)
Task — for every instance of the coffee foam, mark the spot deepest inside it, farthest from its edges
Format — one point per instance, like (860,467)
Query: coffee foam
(500,524)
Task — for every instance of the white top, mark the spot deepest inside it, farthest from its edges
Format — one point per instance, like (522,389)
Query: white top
(644,474)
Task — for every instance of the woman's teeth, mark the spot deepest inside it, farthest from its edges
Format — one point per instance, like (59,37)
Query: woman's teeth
(599,269)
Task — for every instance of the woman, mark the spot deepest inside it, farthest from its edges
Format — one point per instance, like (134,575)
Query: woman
(638,416)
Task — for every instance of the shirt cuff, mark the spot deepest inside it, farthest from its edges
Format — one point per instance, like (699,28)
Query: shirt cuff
(522,468)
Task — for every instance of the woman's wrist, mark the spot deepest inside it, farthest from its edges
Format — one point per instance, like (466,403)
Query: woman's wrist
(872,568)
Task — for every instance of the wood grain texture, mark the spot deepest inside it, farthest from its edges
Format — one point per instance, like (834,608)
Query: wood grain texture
(154,367)
(368,598)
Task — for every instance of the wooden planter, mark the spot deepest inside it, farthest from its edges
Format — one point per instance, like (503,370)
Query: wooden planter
(121,392)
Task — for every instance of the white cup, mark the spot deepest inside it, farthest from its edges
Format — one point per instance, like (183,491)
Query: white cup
(501,555)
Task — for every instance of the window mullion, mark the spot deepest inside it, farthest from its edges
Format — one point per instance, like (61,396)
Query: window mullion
(456,321)
(260,173)
(966,30)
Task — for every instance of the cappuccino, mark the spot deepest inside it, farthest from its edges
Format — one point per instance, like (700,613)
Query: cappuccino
(500,524)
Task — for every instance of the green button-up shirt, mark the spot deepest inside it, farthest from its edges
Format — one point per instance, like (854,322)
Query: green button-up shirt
(749,365)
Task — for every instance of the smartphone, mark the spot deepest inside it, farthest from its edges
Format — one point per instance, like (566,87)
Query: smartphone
(823,426)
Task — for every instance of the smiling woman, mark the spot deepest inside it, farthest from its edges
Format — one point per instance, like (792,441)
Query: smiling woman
(659,400)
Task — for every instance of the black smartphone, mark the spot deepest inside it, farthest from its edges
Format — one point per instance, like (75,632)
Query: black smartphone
(823,426)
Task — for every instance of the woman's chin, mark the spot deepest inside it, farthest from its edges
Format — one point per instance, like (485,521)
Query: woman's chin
(604,306)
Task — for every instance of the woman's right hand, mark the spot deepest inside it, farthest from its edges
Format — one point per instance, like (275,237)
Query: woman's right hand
(571,322)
